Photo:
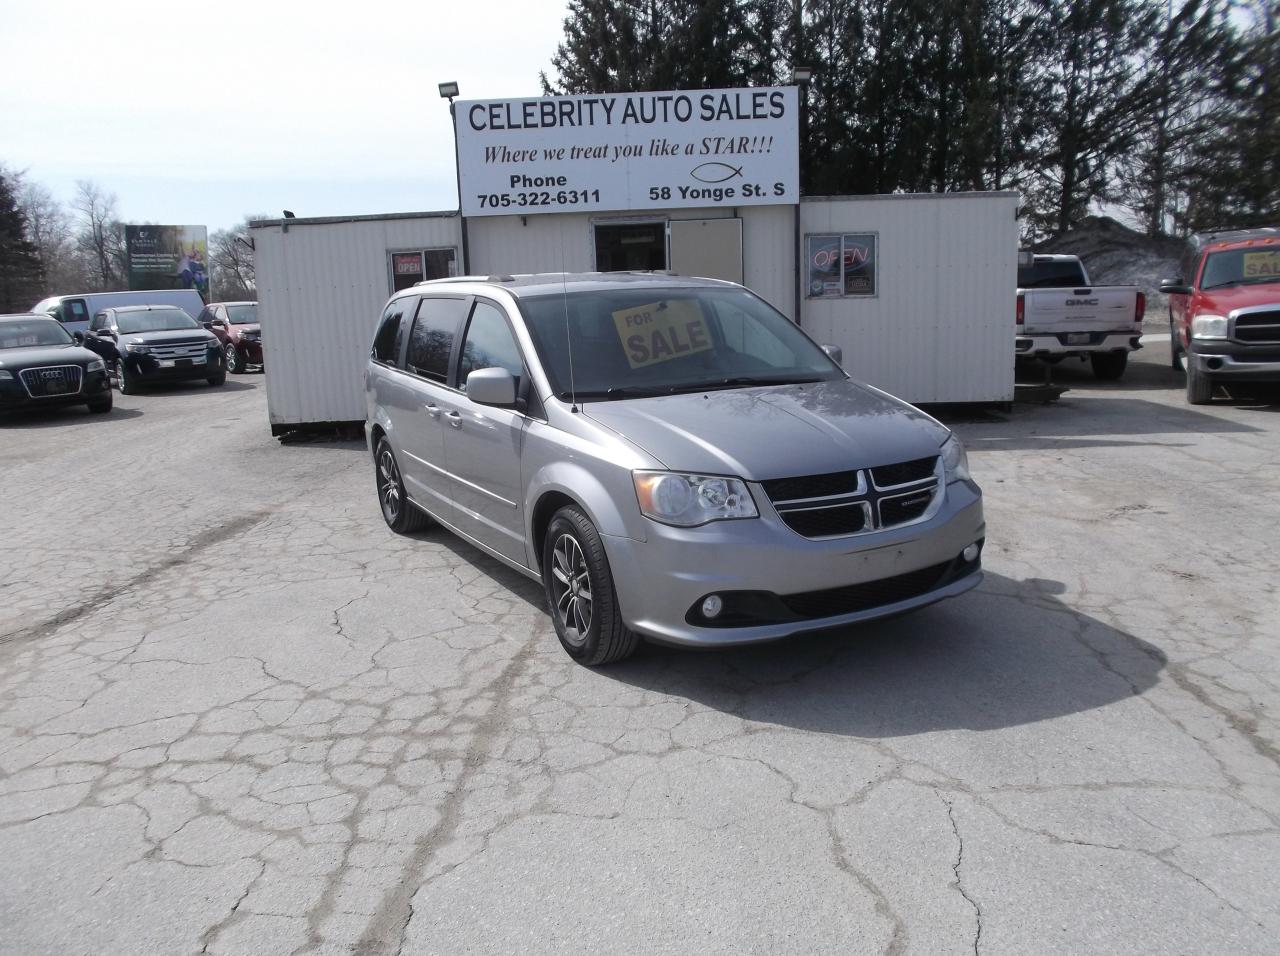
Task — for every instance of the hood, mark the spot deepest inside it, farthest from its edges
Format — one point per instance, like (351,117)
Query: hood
(775,431)
(172,335)
(45,355)
(1223,301)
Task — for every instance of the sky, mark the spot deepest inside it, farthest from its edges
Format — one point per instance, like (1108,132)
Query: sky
(199,114)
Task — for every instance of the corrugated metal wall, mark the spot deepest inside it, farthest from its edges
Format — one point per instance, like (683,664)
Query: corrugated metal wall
(321,289)
(940,328)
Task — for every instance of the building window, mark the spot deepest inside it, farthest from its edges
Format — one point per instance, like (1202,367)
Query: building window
(631,246)
(417,265)
(841,265)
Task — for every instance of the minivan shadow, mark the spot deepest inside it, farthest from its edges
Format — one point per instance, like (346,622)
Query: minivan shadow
(1007,654)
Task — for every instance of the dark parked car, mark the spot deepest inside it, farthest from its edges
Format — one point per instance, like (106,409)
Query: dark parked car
(237,328)
(41,365)
(145,344)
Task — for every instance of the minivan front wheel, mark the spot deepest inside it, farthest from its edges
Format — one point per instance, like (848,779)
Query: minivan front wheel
(580,592)
(397,511)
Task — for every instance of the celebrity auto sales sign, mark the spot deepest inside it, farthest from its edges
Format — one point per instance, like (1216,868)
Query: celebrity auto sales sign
(629,151)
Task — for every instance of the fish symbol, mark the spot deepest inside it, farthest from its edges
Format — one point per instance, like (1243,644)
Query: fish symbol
(715,172)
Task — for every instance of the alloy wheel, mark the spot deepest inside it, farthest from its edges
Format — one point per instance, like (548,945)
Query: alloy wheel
(389,486)
(571,588)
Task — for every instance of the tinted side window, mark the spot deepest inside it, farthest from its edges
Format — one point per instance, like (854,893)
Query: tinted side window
(99,321)
(386,343)
(75,310)
(489,344)
(431,342)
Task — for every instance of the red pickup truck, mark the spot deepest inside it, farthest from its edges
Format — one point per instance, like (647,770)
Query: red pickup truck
(1224,311)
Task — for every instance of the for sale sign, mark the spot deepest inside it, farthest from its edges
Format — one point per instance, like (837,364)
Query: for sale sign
(629,151)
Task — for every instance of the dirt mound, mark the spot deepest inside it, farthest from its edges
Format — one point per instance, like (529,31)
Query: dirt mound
(1113,254)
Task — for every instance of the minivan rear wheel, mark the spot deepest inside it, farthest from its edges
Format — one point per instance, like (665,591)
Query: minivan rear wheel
(580,592)
(397,511)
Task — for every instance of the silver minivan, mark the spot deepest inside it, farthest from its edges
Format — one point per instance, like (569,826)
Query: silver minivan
(671,458)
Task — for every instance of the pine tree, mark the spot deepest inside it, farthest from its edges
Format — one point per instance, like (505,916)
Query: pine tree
(1093,95)
(21,273)
(1234,177)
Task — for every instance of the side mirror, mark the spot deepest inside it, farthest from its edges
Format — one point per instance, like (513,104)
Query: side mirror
(492,386)
(79,337)
(835,353)
(1174,286)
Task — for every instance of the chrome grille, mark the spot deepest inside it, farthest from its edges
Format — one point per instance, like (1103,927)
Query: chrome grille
(857,502)
(52,380)
(1258,327)
(197,349)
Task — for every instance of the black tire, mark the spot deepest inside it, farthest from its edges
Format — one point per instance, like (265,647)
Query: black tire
(235,361)
(1175,347)
(102,407)
(1108,366)
(398,511)
(126,380)
(219,378)
(587,619)
(1199,385)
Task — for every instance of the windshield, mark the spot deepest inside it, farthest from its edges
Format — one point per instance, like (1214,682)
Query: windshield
(243,314)
(1241,267)
(35,332)
(632,342)
(155,320)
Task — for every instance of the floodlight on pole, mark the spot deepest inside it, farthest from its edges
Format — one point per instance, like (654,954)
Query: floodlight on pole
(448,91)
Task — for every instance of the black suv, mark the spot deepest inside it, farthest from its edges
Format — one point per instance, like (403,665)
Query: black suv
(145,344)
(41,365)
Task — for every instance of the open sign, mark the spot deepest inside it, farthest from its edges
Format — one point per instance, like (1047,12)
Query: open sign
(661,331)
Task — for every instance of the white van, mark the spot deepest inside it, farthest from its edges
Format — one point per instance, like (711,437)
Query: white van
(75,311)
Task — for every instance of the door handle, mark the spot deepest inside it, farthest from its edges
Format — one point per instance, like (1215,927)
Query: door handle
(454,419)
(432,410)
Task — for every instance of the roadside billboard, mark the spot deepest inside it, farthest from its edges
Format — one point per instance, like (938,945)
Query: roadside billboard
(629,151)
(168,257)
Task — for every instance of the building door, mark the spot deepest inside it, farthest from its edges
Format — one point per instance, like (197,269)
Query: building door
(631,246)
(710,248)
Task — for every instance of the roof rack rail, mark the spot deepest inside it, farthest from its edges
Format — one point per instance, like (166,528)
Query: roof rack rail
(1206,236)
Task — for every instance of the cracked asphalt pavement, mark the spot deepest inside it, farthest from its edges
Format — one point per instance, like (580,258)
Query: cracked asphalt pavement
(237,715)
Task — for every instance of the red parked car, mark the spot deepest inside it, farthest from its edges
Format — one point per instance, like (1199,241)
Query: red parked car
(237,328)
(1224,311)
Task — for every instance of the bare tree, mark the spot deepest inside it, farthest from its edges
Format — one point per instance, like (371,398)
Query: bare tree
(231,255)
(97,240)
(52,231)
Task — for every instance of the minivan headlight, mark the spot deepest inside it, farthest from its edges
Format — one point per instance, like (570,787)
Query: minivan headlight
(688,500)
(1209,327)
(954,460)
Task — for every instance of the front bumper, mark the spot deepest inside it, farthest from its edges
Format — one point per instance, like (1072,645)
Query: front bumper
(1236,362)
(1059,344)
(147,368)
(95,387)
(661,581)
(250,351)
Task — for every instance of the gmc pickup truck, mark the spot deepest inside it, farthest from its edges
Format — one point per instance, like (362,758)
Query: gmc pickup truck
(1224,311)
(1060,314)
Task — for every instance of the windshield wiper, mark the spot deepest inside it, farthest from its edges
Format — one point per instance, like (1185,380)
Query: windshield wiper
(743,381)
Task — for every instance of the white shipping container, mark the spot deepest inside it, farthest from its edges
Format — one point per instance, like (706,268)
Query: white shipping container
(937,330)
(322,284)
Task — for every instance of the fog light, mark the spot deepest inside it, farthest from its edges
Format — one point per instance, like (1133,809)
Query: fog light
(712,606)
(970,554)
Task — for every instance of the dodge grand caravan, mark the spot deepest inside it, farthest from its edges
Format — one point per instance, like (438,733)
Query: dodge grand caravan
(672,458)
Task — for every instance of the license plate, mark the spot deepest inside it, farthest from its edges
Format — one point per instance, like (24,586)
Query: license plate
(1078,338)
(59,385)
(184,363)
(166,363)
